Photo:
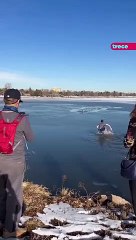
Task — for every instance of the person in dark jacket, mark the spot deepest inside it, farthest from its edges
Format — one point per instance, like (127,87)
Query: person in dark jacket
(12,167)
(130,142)
(101,126)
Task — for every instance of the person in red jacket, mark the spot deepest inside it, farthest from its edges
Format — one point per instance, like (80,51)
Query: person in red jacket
(12,166)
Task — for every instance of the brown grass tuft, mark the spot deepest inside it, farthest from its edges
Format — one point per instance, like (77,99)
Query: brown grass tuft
(35,198)
(33,223)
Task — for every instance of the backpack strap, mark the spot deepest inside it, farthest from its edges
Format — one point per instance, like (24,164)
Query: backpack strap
(16,120)
(1,115)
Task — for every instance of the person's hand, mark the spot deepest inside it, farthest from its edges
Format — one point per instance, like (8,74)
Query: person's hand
(128,143)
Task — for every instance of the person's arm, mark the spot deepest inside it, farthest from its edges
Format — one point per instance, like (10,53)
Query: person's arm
(130,136)
(28,133)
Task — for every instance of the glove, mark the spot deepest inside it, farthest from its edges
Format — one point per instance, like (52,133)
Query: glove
(128,143)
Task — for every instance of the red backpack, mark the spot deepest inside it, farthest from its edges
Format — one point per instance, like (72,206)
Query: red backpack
(7,134)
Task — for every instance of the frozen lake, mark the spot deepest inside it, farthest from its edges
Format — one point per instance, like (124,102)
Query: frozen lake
(67,143)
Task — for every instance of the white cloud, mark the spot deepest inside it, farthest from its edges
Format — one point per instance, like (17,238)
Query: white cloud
(22,81)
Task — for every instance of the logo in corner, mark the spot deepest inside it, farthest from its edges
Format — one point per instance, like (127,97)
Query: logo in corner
(123,46)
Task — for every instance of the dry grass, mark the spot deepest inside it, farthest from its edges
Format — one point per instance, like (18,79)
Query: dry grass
(66,192)
(35,198)
(33,224)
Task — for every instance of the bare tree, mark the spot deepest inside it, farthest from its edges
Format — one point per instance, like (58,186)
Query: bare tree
(8,86)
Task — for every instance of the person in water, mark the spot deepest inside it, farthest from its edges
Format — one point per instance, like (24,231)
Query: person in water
(130,142)
(101,126)
(104,128)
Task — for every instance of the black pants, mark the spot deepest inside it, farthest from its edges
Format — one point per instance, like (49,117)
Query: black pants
(11,194)
(132,186)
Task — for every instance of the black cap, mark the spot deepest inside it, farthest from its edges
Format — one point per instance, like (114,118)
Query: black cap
(13,95)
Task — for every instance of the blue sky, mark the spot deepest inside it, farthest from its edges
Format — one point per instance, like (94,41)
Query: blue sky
(66,44)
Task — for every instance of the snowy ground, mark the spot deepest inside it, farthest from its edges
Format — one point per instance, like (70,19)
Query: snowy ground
(76,223)
(100,99)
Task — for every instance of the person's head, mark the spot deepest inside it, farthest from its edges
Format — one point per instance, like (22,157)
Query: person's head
(12,97)
(133,112)
(102,121)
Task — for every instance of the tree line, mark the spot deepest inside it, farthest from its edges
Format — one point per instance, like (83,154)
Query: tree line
(68,93)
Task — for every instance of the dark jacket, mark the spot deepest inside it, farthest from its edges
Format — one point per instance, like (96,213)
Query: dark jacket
(130,138)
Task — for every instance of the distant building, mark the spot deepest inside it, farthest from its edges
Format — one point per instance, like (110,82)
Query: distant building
(56,90)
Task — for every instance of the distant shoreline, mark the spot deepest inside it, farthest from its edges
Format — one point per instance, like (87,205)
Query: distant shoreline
(88,99)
